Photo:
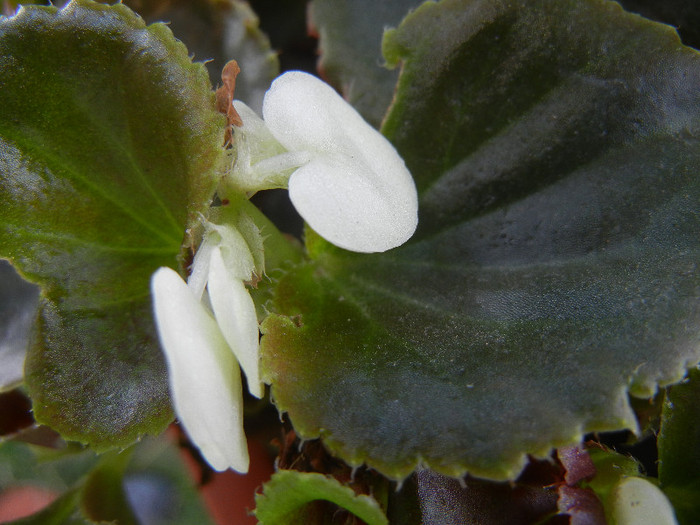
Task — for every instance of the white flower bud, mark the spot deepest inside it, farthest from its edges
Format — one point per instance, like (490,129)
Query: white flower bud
(636,501)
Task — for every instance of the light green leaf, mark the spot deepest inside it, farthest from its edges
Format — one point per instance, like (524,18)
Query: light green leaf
(286,496)
(555,145)
(103,498)
(109,145)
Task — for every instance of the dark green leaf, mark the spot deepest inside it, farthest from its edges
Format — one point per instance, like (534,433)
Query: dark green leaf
(350,41)
(159,487)
(679,448)
(218,32)
(684,15)
(555,145)
(108,146)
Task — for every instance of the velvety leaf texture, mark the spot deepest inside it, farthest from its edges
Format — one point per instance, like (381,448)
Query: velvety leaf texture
(555,148)
(108,143)
(217,32)
(350,48)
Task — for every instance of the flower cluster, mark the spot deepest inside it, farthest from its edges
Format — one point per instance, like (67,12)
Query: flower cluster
(349,184)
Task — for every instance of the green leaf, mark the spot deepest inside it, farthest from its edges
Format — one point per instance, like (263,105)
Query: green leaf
(58,471)
(218,32)
(286,497)
(679,451)
(160,488)
(54,470)
(109,145)
(148,483)
(350,41)
(555,148)
(681,14)
(103,499)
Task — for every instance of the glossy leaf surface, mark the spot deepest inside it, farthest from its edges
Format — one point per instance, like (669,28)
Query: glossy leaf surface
(555,148)
(108,146)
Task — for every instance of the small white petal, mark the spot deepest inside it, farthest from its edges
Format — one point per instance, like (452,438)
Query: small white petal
(205,381)
(356,192)
(636,501)
(197,280)
(235,313)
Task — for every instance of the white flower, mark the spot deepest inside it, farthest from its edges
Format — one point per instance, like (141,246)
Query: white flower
(203,347)
(345,179)
(348,183)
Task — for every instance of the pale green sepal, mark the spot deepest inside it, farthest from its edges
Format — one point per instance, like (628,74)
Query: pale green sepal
(234,249)
(254,239)
(254,169)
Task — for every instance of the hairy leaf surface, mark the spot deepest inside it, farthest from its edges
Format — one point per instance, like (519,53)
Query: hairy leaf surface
(108,145)
(555,148)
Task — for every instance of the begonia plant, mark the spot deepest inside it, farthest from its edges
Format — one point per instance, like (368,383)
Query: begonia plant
(491,314)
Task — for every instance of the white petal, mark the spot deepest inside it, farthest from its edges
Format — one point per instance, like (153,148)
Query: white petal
(235,312)
(357,192)
(636,501)
(348,208)
(205,381)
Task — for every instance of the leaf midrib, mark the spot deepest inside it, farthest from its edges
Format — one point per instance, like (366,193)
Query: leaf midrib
(58,164)
(73,239)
